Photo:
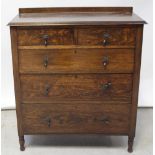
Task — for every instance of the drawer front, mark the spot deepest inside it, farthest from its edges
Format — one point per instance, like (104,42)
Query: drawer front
(77,61)
(98,88)
(80,118)
(107,36)
(45,37)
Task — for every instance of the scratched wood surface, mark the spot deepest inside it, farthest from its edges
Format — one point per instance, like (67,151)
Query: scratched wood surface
(77,61)
(80,118)
(82,88)
(35,36)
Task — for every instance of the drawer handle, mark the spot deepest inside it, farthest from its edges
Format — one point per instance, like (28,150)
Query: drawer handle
(46,61)
(105,42)
(105,36)
(48,121)
(103,119)
(45,37)
(105,61)
(106,86)
(47,88)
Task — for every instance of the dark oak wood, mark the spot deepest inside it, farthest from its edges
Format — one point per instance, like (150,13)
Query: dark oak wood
(22,142)
(77,61)
(13,32)
(92,36)
(136,78)
(79,88)
(51,47)
(76,16)
(35,36)
(76,70)
(119,10)
(111,36)
(130,144)
(80,118)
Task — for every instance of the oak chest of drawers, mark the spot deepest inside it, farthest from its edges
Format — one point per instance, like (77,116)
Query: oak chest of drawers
(76,70)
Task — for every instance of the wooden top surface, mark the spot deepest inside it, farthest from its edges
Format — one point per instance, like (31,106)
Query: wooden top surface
(76,16)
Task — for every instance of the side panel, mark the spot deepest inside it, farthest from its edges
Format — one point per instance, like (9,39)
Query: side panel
(13,31)
(136,78)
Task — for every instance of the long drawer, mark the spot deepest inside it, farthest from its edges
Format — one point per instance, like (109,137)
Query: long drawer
(80,118)
(83,88)
(77,61)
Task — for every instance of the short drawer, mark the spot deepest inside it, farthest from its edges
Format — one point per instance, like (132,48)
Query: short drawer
(80,118)
(77,61)
(107,36)
(69,88)
(45,36)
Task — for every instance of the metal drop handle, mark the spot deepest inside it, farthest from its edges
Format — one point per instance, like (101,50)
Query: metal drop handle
(105,40)
(47,89)
(45,37)
(106,86)
(102,119)
(105,61)
(45,61)
(48,121)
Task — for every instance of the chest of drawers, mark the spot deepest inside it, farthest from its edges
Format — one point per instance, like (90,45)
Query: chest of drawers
(76,70)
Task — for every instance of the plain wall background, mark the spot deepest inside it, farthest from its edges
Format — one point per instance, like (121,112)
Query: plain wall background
(143,8)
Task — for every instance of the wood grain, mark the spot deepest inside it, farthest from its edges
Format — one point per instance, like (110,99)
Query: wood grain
(51,47)
(117,36)
(118,10)
(76,16)
(76,70)
(77,61)
(83,88)
(35,36)
(78,118)
(13,32)
(136,80)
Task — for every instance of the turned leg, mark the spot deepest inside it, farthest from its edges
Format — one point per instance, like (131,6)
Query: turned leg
(130,144)
(21,142)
